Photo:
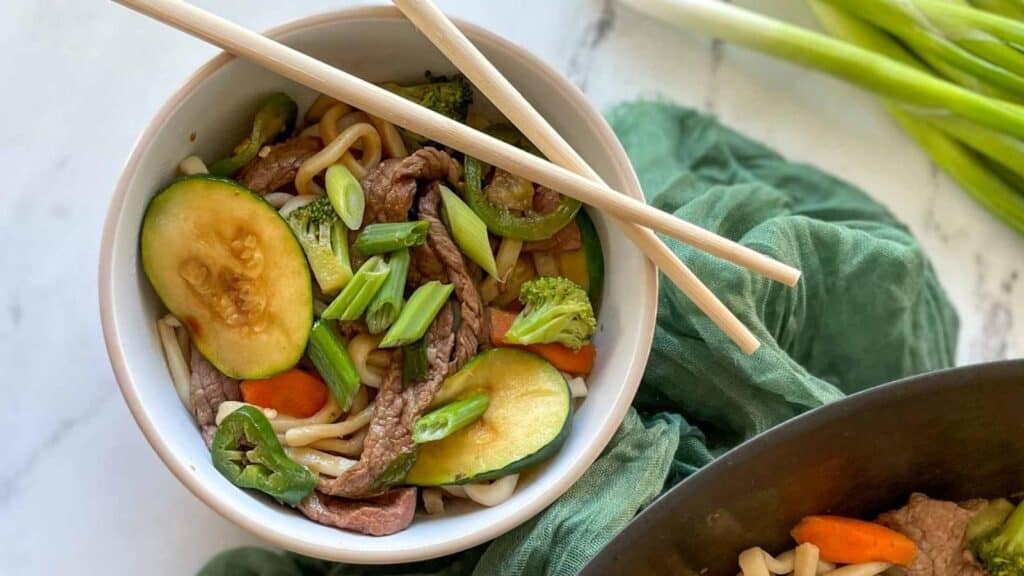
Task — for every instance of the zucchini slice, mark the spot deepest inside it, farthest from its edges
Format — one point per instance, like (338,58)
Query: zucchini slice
(228,267)
(526,422)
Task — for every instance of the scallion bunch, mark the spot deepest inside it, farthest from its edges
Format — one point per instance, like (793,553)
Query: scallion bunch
(951,73)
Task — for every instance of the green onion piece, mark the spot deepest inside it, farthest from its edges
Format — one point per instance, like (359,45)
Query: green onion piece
(353,300)
(327,351)
(973,175)
(469,231)
(1002,148)
(851,63)
(906,22)
(381,238)
(417,314)
(386,305)
(339,245)
(969,171)
(346,195)
(1009,29)
(449,419)
(414,362)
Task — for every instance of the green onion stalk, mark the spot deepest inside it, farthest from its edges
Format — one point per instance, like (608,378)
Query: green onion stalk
(449,419)
(327,351)
(417,314)
(360,290)
(346,195)
(386,305)
(950,74)
(390,237)
(468,231)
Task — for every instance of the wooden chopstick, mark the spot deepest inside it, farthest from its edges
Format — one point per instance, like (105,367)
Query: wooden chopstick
(377,101)
(443,33)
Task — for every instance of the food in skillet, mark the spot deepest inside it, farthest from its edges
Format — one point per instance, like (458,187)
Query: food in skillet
(356,315)
(926,537)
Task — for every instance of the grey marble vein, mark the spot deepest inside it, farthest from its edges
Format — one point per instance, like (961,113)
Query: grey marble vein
(583,53)
(993,304)
(16,473)
(714,64)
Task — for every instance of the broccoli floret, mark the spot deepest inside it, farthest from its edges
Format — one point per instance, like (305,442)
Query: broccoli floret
(450,97)
(1001,551)
(556,310)
(322,235)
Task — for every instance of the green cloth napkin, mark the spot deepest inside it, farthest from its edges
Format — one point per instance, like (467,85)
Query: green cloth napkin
(868,310)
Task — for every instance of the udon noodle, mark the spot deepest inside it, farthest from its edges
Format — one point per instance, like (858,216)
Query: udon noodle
(345,446)
(174,347)
(336,151)
(390,138)
(801,561)
(359,349)
(318,461)
(320,106)
(333,124)
(303,435)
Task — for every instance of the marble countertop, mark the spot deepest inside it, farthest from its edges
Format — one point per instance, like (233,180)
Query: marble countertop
(81,491)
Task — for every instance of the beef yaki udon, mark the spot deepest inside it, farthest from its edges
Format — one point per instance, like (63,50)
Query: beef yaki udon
(927,537)
(357,314)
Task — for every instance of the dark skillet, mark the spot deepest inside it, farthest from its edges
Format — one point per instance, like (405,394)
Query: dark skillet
(954,434)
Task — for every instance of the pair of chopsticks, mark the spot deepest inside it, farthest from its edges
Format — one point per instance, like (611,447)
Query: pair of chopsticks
(569,174)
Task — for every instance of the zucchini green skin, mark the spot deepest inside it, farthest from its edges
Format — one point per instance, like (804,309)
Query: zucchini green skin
(594,257)
(444,462)
(194,211)
(530,461)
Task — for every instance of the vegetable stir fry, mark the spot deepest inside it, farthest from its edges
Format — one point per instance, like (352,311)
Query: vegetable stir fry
(357,308)
(927,537)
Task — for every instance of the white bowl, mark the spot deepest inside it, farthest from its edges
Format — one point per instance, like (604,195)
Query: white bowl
(215,104)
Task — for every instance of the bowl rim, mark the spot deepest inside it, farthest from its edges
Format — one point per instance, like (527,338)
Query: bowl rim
(280,537)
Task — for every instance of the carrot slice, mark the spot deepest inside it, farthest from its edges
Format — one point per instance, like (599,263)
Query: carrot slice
(566,359)
(501,321)
(562,357)
(850,541)
(294,393)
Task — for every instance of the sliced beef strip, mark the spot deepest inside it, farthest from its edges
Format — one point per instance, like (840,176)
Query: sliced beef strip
(429,163)
(208,388)
(425,266)
(471,309)
(351,328)
(545,200)
(388,443)
(386,514)
(441,341)
(391,186)
(386,440)
(386,199)
(937,527)
(278,168)
(567,239)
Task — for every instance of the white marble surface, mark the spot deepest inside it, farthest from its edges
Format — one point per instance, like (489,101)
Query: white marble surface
(80,490)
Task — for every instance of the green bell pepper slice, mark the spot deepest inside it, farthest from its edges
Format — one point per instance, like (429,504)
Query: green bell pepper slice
(245,450)
(499,219)
(274,118)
